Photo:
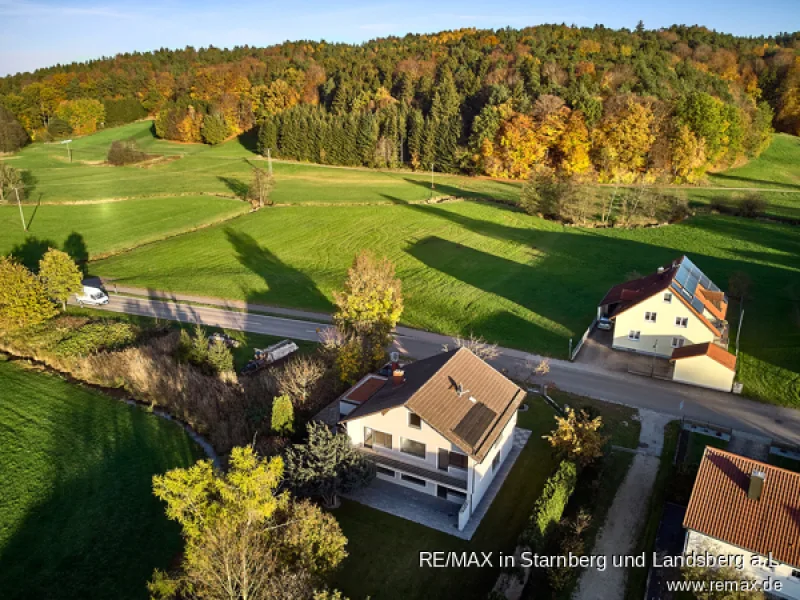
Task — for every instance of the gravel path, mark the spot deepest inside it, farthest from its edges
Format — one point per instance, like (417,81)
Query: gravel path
(625,517)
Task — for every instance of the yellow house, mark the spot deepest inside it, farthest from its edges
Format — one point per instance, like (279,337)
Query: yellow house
(674,307)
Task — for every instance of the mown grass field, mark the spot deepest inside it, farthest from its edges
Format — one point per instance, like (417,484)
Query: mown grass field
(466,266)
(78,519)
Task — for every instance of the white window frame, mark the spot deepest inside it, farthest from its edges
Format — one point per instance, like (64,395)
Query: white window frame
(411,414)
(678,342)
(682,322)
(667,297)
(650,316)
(636,337)
(495,462)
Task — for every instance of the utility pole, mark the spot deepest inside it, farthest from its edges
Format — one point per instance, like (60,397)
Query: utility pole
(433,187)
(21,214)
(269,161)
(739,330)
(69,153)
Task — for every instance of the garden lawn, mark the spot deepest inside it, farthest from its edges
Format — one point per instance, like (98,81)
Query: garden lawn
(105,228)
(479,267)
(78,519)
(696,447)
(383,560)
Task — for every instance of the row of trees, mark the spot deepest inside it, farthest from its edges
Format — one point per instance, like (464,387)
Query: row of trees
(453,79)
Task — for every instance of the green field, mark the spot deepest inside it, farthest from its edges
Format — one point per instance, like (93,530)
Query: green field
(472,265)
(78,519)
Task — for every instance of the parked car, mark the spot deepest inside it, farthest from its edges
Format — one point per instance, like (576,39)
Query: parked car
(223,338)
(92,296)
(604,323)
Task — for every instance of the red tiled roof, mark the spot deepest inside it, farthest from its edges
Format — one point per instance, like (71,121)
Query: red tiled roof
(718,353)
(720,508)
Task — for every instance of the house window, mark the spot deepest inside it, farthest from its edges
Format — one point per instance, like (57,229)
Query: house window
(668,297)
(377,438)
(682,322)
(634,335)
(678,342)
(385,471)
(413,448)
(495,462)
(796,573)
(650,317)
(454,459)
(414,480)
(414,421)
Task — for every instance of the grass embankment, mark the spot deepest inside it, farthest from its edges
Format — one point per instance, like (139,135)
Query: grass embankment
(77,515)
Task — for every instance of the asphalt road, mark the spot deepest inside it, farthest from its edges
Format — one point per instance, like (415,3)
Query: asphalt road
(726,410)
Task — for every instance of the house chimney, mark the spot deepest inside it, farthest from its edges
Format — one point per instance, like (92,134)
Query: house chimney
(757,479)
(398,377)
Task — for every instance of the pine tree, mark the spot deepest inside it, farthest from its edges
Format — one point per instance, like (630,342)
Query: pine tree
(416,131)
(282,416)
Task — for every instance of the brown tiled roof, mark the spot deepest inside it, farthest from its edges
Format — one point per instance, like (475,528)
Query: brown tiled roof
(720,508)
(364,389)
(473,420)
(630,293)
(718,353)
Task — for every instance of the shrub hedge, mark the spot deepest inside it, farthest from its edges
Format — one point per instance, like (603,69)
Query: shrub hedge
(549,508)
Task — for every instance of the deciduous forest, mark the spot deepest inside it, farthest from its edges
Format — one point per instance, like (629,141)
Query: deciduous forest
(601,104)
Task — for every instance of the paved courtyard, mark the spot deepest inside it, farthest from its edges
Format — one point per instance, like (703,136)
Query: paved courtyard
(431,511)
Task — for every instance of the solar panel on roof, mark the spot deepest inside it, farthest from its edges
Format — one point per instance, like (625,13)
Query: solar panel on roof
(697,305)
(691,283)
(682,275)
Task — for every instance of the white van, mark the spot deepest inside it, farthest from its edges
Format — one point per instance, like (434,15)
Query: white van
(91,295)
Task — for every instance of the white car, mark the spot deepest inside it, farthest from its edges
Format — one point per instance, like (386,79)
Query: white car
(92,296)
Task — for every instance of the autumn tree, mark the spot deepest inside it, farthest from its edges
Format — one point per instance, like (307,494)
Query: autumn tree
(282,415)
(244,538)
(327,465)
(370,305)
(299,379)
(708,577)
(577,437)
(60,275)
(622,140)
(82,114)
(23,298)
(12,135)
(688,155)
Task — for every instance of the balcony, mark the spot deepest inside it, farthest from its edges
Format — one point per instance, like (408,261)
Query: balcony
(725,329)
(390,462)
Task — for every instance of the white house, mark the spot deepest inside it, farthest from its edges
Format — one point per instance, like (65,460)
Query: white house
(442,425)
(748,508)
(674,307)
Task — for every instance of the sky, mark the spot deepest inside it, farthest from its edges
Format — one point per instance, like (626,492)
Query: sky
(40,33)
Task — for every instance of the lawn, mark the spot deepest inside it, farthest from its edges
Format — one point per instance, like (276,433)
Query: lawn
(106,228)
(696,446)
(778,168)
(383,561)
(77,515)
(472,266)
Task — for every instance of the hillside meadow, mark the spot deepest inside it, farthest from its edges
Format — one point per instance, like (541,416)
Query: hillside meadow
(474,265)
(78,519)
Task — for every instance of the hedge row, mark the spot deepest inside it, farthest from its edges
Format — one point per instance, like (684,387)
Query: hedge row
(549,508)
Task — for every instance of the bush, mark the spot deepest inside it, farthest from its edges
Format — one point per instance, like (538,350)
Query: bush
(549,508)
(219,357)
(59,128)
(12,135)
(125,110)
(751,206)
(95,337)
(125,152)
(214,130)
(283,416)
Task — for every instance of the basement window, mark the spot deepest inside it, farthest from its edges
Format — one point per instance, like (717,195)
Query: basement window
(414,480)
(678,342)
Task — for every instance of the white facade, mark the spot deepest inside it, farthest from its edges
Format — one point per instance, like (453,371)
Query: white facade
(698,543)
(473,480)
(703,371)
(658,325)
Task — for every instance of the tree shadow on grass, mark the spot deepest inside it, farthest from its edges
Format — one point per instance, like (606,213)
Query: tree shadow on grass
(237,186)
(31,251)
(285,284)
(447,189)
(99,532)
(759,182)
